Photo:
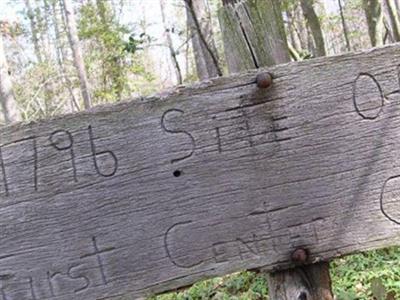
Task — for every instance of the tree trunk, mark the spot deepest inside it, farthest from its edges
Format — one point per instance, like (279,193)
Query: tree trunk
(77,52)
(187,53)
(292,32)
(315,25)
(42,15)
(46,38)
(205,52)
(34,31)
(300,26)
(253,34)
(394,19)
(310,42)
(60,54)
(344,24)
(387,32)
(170,44)
(373,13)
(8,103)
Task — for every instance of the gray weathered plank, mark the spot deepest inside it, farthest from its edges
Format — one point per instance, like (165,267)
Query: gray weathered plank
(313,162)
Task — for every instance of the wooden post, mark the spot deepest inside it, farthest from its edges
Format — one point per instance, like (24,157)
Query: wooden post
(310,282)
(254,36)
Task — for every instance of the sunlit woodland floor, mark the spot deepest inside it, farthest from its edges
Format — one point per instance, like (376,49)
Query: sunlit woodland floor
(366,276)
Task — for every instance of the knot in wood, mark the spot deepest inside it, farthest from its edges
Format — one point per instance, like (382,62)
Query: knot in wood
(264,80)
(299,256)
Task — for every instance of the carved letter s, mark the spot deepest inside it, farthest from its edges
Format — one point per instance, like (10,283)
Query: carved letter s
(173,110)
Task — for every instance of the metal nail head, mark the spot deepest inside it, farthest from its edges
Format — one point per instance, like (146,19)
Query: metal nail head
(264,80)
(300,256)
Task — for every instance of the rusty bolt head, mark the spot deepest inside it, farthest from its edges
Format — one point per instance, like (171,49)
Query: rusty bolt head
(264,80)
(299,256)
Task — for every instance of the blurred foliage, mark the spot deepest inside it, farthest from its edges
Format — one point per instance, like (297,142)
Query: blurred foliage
(113,50)
(354,276)
(239,286)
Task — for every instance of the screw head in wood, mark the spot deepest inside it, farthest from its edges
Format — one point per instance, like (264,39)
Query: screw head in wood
(300,256)
(264,80)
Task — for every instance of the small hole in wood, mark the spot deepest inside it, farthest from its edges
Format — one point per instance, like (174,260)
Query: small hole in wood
(177,173)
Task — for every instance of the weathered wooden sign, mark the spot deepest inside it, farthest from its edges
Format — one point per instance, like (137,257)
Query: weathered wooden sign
(155,194)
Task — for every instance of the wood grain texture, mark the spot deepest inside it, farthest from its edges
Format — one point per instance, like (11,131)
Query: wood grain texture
(302,283)
(254,34)
(147,196)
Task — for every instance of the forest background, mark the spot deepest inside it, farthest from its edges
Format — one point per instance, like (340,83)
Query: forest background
(63,56)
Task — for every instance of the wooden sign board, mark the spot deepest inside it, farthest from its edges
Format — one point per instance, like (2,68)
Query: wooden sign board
(155,194)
